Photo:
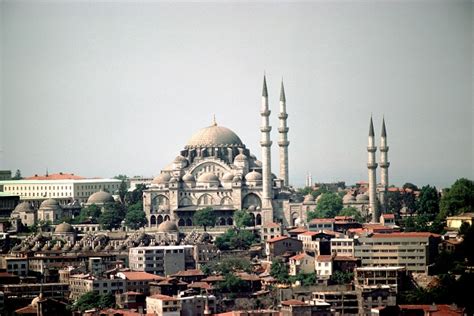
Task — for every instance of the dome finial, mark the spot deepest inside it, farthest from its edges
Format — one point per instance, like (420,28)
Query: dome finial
(214,122)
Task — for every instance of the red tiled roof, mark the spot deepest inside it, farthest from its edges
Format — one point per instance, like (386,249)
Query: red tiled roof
(322,220)
(299,256)
(275,239)
(298,230)
(56,176)
(292,302)
(133,276)
(388,215)
(163,297)
(192,272)
(435,310)
(213,278)
(272,225)
(324,258)
(200,285)
(309,233)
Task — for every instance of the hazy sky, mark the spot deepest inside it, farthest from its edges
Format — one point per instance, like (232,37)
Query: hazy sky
(110,88)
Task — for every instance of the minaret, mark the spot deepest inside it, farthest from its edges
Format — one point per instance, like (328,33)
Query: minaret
(283,142)
(384,164)
(372,166)
(266,144)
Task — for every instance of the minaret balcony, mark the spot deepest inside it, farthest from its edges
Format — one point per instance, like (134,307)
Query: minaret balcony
(384,164)
(372,165)
(283,143)
(265,112)
(283,116)
(372,149)
(266,143)
(265,129)
(283,129)
(384,149)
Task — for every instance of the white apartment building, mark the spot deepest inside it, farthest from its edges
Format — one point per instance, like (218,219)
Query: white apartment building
(161,260)
(64,191)
(163,305)
(80,284)
(342,246)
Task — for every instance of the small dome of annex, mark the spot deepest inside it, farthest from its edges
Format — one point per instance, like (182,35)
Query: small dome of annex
(362,198)
(253,176)
(214,136)
(64,228)
(348,198)
(228,176)
(208,177)
(309,198)
(161,178)
(49,203)
(23,207)
(168,227)
(100,197)
(180,158)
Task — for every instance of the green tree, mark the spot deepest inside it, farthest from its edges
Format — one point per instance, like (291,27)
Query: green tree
(205,217)
(458,199)
(352,211)
(135,196)
(17,175)
(135,219)
(428,201)
(92,300)
(235,239)
(121,177)
(279,271)
(232,284)
(410,186)
(394,202)
(242,218)
(90,213)
(110,219)
(310,215)
(340,277)
(123,190)
(329,204)
(227,265)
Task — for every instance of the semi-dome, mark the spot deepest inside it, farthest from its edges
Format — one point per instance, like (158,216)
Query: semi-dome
(309,198)
(23,207)
(208,177)
(228,176)
(214,136)
(240,157)
(49,203)
(253,176)
(362,198)
(64,228)
(348,198)
(188,178)
(100,197)
(168,227)
(162,178)
(180,158)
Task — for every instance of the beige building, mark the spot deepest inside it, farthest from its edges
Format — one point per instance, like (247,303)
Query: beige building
(161,260)
(415,251)
(324,266)
(163,305)
(83,283)
(301,263)
(25,213)
(342,246)
(64,191)
(270,230)
(455,222)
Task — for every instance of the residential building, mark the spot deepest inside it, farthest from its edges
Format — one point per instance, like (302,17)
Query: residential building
(270,230)
(319,224)
(138,281)
(300,308)
(198,305)
(161,260)
(80,284)
(387,219)
(455,222)
(15,265)
(163,305)
(369,276)
(301,263)
(375,296)
(342,302)
(415,250)
(317,242)
(323,266)
(342,246)
(280,245)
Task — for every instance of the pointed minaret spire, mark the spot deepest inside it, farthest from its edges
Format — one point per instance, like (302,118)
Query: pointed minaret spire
(371,128)
(283,142)
(264,90)
(214,122)
(384,131)
(282,92)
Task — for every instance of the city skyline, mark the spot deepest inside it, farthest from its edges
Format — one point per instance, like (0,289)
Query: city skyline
(90,89)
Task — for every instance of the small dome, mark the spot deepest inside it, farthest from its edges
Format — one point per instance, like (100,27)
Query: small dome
(100,197)
(174,180)
(308,199)
(253,176)
(237,178)
(240,157)
(64,228)
(208,177)
(362,198)
(348,198)
(180,158)
(228,177)
(188,178)
(168,227)
(49,203)
(23,207)
(162,178)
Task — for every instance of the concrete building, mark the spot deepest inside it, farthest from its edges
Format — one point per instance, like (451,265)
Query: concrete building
(300,308)
(81,284)
(342,246)
(270,230)
(282,245)
(342,302)
(15,265)
(455,222)
(369,276)
(138,281)
(161,260)
(198,305)
(317,243)
(58,188)
(324,266)
(319,224)
(415,251)
(163,305)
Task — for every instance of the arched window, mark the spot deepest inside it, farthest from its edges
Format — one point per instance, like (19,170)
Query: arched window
(258,220)
(251,199)
(205,199)
(152,220)
(226,201)
(222,221)
(167,218)
(181,222)
(185,202)
(189,222)
(230,221)
(159,219)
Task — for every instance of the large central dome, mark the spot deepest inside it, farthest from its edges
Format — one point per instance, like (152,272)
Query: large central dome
(214,136)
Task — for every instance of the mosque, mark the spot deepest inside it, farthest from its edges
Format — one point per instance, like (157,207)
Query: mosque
(215,169)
